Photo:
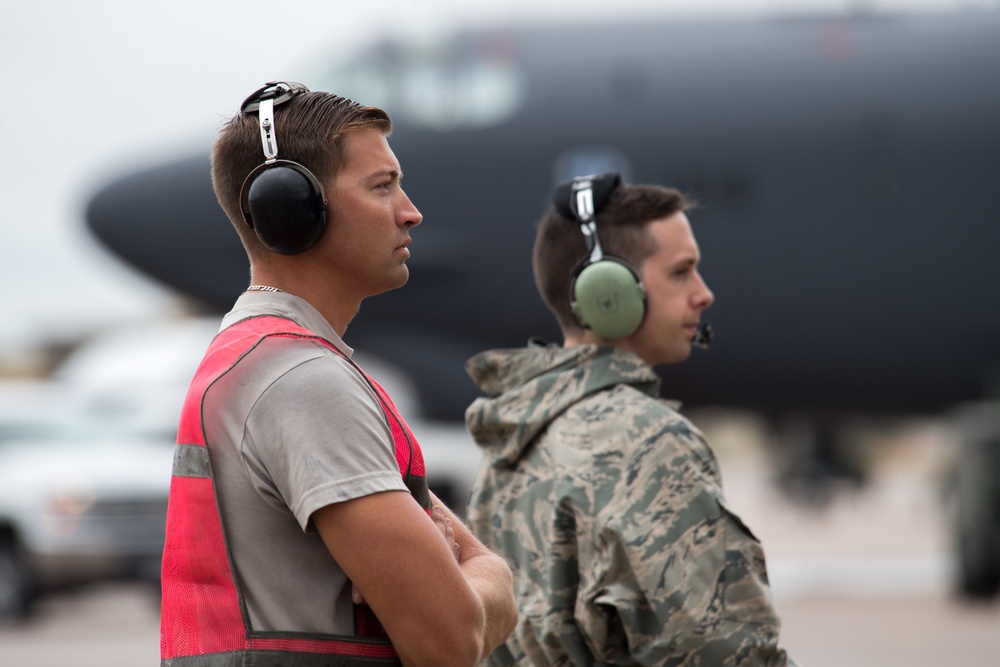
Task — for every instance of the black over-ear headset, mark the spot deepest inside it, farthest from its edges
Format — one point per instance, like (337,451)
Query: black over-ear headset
(605,293)
(281,200)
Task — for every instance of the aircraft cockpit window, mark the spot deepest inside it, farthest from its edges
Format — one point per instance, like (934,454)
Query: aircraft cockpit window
(434,88)
(461,94)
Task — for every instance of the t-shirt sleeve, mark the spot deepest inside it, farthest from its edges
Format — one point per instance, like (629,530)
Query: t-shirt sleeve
(318,436)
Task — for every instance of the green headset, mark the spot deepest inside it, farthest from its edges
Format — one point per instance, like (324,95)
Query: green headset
(606,295)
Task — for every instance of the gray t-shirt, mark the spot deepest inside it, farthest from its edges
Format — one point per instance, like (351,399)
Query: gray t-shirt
(291,428)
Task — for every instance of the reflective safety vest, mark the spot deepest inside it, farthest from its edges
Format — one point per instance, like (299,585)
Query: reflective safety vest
(204,622)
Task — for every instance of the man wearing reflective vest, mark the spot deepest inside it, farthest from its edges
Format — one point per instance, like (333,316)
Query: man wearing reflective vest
(300,529)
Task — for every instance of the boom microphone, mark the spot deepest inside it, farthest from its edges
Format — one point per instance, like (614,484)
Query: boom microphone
(703,337)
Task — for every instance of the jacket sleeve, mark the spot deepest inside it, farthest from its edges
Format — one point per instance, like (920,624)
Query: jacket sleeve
(675,576)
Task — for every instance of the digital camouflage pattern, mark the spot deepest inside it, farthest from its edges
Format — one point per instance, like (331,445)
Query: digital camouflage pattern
(609,504)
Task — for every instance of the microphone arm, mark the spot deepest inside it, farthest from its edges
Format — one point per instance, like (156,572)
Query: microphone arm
(703,337)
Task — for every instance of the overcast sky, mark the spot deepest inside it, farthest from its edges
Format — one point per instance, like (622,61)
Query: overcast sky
(93,89)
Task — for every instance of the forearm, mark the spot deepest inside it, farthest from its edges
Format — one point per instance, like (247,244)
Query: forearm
(490,578)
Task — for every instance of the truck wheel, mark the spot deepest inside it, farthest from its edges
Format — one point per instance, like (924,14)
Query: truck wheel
(978,520)
(15,581)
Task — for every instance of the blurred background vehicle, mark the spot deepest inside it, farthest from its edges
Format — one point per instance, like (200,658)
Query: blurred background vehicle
(81,499)
(85,461)
(76,508)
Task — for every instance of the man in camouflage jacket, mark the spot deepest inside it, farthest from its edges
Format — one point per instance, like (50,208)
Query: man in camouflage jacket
(607,501)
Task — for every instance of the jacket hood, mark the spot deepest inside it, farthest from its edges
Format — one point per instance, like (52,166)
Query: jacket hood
(527,388)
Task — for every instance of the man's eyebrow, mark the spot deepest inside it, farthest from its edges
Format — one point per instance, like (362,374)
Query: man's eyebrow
(688,261)
(393,174)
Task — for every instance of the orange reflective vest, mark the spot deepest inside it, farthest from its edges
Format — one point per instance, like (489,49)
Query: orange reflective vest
(203,620)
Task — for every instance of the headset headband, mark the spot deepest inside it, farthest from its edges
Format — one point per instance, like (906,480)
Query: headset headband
(581,199)
(279,91)
(264,100)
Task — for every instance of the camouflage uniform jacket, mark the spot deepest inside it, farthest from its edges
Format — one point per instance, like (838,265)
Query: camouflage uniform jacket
(608,503)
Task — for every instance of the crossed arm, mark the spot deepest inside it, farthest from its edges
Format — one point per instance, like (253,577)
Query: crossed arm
(440,605)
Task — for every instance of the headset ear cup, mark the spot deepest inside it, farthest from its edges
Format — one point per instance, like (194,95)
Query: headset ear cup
(283,202)
(609,299)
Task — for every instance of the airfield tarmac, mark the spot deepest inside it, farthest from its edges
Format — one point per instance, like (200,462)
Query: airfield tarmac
(863,581)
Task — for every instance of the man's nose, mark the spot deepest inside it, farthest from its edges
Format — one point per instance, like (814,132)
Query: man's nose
(409,215)
(704,297)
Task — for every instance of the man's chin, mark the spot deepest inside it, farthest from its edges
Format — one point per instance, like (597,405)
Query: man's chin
(677,356)
(395,282)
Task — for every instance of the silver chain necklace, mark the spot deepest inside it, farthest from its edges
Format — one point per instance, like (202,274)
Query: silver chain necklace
(264,288)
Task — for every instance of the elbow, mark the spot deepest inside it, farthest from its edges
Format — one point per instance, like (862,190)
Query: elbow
(510,618)
(458,649)
(459,645)
(466,652)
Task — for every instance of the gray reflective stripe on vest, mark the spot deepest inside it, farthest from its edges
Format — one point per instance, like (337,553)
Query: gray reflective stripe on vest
(253,658)
(192,461)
